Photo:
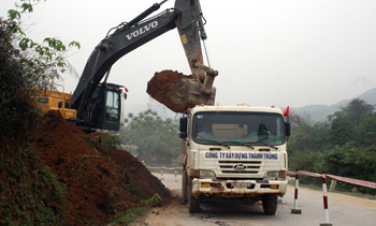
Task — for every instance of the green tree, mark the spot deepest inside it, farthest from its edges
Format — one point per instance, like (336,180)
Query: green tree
(152,139)
(345,145)
(341,130)
(307,137)
(352,161)
(350,124)
(320,132)
(356,109)
(307,143)
(300,131)
(24,64)
(30,194)
(367,130)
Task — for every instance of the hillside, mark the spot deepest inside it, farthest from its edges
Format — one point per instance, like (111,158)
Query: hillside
(319,113)
(71,179)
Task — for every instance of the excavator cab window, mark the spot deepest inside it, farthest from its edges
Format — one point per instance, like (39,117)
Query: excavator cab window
(96,93)
(112,106)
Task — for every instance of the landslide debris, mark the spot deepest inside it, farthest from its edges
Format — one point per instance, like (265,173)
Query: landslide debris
(98,181)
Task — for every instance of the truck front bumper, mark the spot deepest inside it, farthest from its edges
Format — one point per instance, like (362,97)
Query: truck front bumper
(232,188)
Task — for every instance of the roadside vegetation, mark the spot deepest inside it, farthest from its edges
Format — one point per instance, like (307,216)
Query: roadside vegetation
(152,139)
(343,145)
(29,193)
(51,172)
(125,218)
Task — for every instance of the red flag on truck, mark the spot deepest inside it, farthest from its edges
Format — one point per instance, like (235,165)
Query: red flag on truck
(287,111)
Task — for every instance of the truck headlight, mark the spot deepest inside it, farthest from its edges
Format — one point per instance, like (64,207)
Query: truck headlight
(207,174)
(271,174)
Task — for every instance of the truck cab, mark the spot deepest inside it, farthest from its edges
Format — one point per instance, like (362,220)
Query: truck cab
(234,154)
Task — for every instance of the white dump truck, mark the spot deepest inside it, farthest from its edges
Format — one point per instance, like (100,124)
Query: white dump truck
(234,154)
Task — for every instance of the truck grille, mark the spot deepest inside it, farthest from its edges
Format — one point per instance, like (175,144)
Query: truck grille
(239,167)
(240,172)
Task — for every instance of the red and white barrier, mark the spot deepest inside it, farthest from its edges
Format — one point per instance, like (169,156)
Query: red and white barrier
(305,173)
(343,179)
(325,200)
(296,210)
(324,188)
(310,174)
(166,168)
(354,181)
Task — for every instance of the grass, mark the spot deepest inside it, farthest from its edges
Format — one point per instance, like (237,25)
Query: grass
(125,218)
(131,215)
(356,194)
(29,193)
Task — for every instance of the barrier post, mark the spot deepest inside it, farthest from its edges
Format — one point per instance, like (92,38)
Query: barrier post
(296,210)
(176,179)
(161,173)
(325,199)
(333,185)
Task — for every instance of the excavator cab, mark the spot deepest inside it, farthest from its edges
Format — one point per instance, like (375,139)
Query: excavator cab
(108,99)
(110,113)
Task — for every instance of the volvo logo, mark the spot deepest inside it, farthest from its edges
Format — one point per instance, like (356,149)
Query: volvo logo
(142,30)
(240,167)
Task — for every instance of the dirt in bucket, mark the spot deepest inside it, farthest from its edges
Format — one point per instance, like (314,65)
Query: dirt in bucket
(170,88)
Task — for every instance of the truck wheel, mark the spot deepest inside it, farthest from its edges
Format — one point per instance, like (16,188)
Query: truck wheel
(184,187)
(193,202)
(269,204)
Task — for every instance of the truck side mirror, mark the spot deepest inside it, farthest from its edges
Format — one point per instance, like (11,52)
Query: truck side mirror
(125,96)
(288,128)
(183,127)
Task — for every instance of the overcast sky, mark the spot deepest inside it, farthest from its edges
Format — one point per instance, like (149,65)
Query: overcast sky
(267,52)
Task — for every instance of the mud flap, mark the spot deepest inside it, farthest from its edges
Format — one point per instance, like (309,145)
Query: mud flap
(193,202)
(184,185)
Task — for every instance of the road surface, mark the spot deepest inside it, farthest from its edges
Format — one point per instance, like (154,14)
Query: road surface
(343,211)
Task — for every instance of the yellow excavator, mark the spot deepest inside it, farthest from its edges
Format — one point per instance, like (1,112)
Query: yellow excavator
(96,104)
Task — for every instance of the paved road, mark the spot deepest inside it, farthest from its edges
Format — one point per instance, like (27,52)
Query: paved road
(343,210)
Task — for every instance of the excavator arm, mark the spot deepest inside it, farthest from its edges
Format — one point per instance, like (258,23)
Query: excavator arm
(186,16)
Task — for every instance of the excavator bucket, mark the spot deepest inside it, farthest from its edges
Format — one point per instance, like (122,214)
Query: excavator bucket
(178,92)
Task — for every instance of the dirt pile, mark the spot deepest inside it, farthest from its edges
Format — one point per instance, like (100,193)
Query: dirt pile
(98,181)
(171,89)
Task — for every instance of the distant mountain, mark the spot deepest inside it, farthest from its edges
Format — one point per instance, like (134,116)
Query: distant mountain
(319,113)
(314,113)
(369,96)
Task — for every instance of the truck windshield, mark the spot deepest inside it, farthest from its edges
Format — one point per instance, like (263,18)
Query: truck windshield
(238,128)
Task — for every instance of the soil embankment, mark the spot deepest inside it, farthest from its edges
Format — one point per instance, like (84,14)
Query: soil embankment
(98,181)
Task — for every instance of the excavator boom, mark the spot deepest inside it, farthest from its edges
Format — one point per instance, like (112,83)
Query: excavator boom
(186,16)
